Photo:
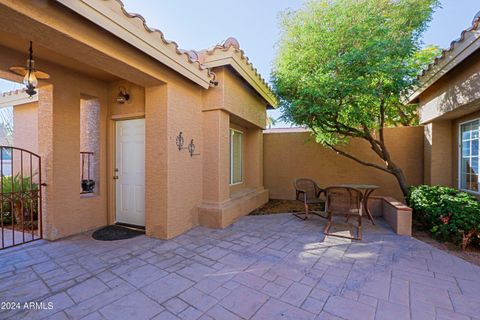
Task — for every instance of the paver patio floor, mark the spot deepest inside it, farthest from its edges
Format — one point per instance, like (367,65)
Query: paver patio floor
(262,267)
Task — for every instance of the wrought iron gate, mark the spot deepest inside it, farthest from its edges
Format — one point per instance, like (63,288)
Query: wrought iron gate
(20,196)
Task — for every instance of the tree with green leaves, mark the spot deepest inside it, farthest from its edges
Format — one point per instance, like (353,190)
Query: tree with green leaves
(344,66)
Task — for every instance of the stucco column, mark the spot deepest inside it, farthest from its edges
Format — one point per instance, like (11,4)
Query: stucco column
(59,145)
(156,174)
(438,153)
(254,158)
(65,210)
(45,150)
(216,169)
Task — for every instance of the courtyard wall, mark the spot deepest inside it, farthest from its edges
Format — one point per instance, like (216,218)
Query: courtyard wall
(293,153)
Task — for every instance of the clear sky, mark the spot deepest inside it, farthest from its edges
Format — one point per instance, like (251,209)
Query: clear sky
(254,23)
(197,24)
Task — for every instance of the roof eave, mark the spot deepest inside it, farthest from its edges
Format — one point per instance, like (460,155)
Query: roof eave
(459,51)
(111,16)
(245,70)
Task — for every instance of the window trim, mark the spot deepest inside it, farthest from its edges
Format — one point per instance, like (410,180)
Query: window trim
(459,158)
(231,183)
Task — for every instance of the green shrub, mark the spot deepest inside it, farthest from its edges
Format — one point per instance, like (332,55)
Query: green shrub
(449,214)
(21,201)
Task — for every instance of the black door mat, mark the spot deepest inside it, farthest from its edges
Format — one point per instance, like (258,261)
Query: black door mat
(111,233)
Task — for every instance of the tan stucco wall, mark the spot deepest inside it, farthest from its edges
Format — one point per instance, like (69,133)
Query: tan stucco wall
(25,123)
(438,153)
(185,174)
(234,96)
(176,187)
(66,212)
(231,105)
(156,157)
(134,107)
(216,170)
(453,99)
(241,101)
(174,179)
(288,156)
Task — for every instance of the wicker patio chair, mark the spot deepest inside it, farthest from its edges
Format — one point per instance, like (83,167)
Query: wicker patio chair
(345,201)
(309,193)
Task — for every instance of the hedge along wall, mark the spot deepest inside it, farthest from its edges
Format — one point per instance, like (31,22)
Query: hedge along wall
(293,153)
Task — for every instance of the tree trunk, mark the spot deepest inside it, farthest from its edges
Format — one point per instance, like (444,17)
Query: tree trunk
(380,148)
(402,181)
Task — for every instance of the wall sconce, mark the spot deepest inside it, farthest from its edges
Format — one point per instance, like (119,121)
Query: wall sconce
(191,149)
(30,74)
(123,96)
(180,141)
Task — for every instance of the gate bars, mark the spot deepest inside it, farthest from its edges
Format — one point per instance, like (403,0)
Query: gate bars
(20,196)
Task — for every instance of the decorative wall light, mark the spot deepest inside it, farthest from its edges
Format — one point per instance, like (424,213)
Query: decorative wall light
(180,141)
(30,74)
(123,96)
(191,149)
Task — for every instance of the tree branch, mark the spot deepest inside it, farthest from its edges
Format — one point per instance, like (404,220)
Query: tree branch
(382,120)
(375,144)
(368,164)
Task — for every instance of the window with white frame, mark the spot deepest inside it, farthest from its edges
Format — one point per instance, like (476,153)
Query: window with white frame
(469,150)
(236,156)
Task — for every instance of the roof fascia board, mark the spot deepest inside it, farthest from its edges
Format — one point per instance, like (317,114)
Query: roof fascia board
(12,99)
(463,51)
(223,58)
(148,42)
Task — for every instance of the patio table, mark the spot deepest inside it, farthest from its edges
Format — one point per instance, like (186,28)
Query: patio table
(366,190)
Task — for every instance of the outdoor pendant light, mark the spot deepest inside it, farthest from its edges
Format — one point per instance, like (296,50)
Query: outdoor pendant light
(30,74)
(123,96)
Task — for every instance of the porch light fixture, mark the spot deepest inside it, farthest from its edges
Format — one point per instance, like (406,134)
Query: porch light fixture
(179,141)
(123,96)
(191,149)
(30,74)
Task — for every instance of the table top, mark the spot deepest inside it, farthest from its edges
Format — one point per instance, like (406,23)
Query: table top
(359,186)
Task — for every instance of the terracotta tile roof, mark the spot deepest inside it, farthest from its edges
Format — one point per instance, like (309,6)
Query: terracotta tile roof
(453,45)
(170,43)
(224,46)
(193,56)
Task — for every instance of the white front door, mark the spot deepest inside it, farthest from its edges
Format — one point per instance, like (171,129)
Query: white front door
(130,172)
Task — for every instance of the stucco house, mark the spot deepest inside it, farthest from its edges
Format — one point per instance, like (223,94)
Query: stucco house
(449,108)
(173,137)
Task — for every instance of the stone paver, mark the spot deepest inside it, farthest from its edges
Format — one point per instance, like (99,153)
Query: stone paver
(296,294)
(134,306)
(244,301)
(167,287)
(349,309)
(387,310)
(261,267)
(275,309)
